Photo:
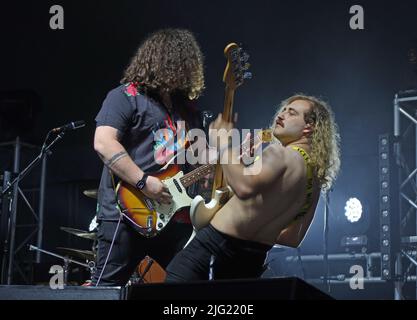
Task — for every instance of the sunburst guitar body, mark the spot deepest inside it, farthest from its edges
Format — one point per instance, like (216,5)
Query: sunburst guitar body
(149,217)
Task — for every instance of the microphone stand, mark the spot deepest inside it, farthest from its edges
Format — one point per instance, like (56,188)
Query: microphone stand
(6,192)
(326,279)
(44,150)
(91,264)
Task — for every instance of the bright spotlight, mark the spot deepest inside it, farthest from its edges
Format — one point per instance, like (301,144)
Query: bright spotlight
(353,210)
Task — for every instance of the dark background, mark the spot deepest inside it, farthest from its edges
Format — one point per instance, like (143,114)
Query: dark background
(295,46)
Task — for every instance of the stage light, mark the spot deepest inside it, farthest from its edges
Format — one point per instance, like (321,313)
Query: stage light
(384,206)
(355,244)
(353,210)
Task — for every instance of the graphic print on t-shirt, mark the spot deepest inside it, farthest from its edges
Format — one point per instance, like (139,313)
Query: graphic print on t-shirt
(170,136)
(169,140)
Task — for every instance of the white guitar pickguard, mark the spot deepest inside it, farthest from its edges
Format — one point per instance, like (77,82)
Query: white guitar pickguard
(180,199)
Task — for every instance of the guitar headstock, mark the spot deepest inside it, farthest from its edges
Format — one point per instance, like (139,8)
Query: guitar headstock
(237,66)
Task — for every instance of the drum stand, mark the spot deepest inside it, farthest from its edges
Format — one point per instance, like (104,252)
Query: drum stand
(90,265)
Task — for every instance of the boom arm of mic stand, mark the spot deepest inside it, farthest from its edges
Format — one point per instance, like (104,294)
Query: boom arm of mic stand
(44,150)
(32,248)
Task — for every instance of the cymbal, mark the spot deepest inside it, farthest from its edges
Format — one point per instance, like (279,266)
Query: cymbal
(76,253)
(80,233)
(92,193)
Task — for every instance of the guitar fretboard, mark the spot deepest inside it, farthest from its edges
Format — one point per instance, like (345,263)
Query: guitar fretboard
(196,174)
(200,172)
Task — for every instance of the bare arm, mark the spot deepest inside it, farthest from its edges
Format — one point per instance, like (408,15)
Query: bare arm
(248,181)
(115,157)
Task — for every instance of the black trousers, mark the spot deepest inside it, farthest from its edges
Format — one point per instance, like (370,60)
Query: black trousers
(130,248)
(215,255)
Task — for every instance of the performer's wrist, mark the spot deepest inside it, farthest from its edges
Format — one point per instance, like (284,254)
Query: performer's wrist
(141,184)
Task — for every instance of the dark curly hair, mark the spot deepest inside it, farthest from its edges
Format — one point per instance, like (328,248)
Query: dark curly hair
(168,60)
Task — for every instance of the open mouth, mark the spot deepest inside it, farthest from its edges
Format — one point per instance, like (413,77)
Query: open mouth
(279,123)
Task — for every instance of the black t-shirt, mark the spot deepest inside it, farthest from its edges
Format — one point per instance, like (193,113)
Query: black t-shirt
(139,117)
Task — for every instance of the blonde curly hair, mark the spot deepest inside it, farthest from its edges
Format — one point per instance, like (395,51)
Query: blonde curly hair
(325,138)
(168,60)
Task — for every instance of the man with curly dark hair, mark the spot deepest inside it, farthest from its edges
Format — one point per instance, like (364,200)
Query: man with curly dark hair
(159,88)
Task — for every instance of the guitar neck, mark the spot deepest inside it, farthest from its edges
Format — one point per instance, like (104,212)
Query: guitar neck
(228,104)
(219,179)
(196,174)
(202,171)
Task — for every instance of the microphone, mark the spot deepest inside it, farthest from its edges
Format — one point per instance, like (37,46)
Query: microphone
(207,115)
(69,126)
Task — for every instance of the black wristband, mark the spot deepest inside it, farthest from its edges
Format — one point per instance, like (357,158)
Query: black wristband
(142,182)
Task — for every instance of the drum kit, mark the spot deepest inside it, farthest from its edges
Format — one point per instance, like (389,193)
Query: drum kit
(148,270)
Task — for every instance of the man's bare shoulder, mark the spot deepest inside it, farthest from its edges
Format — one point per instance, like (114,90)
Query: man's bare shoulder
(274,149)
(275,157)
(295,159)
(286,156)
(277,151)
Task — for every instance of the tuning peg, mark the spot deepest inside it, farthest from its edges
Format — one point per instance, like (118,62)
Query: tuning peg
(246,66)
(245,57)
(237,74)
(247,75)
(242,46)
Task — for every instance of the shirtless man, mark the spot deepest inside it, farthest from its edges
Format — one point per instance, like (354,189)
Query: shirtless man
(274,206)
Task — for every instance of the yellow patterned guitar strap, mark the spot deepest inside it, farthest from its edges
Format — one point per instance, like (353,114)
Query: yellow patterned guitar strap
(309,190)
